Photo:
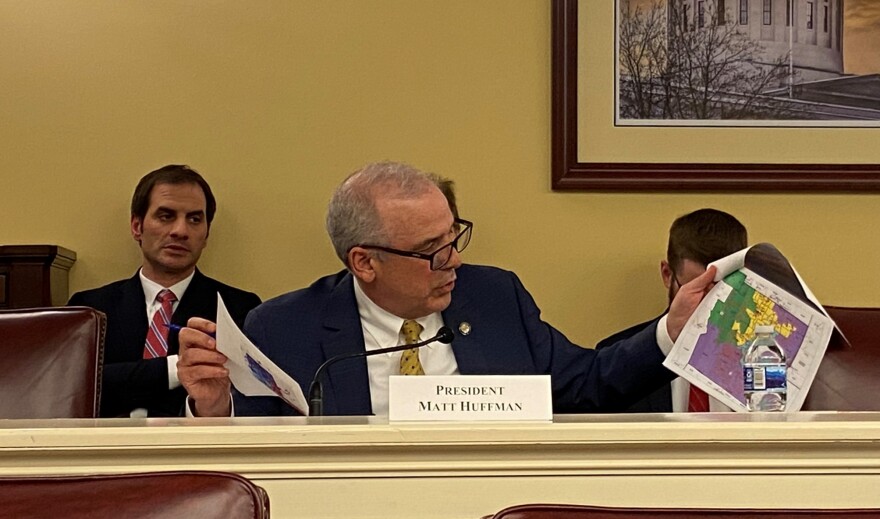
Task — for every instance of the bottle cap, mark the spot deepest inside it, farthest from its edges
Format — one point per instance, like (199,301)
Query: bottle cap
(764,328)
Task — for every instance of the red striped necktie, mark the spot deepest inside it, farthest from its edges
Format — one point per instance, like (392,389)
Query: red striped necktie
(157,336)
(698,400)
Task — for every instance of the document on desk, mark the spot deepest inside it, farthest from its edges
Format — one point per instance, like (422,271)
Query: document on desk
(251,372)
(755,286)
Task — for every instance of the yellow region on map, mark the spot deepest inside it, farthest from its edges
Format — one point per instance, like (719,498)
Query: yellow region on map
(763,314)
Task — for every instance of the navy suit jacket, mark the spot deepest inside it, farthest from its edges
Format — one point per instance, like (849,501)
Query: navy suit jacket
(302,329)
(660,401)
(130,381)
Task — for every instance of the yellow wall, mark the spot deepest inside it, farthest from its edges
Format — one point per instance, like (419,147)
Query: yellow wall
(276,101)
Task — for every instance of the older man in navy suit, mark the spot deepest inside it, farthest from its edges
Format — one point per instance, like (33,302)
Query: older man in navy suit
(171,213)
(394,231)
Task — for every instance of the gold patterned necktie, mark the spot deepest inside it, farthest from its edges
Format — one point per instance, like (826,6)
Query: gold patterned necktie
(409,361)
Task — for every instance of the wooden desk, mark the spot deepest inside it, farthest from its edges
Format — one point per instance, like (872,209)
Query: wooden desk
(335,467)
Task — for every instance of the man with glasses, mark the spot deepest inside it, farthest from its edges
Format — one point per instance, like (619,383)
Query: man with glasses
(695,240)
(394,230)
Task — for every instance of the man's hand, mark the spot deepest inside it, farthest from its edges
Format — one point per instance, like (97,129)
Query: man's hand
(686,301)
(200,369)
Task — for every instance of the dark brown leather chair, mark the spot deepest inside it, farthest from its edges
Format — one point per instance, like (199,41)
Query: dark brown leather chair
(153,495)
(537,511)
(52,361)
(849,375)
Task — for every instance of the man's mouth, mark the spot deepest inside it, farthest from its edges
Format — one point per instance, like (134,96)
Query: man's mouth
(176,248)
(448,285)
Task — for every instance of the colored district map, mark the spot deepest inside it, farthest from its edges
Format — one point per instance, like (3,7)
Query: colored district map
(731,326)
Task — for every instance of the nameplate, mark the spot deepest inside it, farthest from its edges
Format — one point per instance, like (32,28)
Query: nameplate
(470,398)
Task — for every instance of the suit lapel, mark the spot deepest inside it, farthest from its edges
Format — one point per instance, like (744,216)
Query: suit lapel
(133,320)
(198,300)
(347,381)
(463,315)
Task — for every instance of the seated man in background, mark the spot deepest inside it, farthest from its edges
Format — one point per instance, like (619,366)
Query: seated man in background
(395,232)
(171,213)
(695,240)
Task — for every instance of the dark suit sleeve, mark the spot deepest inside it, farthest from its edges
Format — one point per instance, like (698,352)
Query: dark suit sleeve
(134,384)
(78,299)
(660,401)
(586,380)
(624,334)
(258,405)
(127,384)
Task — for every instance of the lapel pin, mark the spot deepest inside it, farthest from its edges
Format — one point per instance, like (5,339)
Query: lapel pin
(464,328)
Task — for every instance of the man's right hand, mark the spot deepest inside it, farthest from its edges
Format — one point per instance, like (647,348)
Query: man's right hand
(687,300)
(200,369)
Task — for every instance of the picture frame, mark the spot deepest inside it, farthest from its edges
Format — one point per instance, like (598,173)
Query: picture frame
(570,172)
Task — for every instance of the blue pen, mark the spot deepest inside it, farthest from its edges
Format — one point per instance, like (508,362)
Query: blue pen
(176,328)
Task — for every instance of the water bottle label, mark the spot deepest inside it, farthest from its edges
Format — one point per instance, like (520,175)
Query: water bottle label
(748,378)
(763,378)
(775,377)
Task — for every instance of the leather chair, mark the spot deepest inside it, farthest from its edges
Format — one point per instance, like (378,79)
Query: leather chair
(153,495)
(52,362)
(849,375)
(536,511)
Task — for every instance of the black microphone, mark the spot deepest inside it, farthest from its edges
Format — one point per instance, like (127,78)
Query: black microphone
(316,390)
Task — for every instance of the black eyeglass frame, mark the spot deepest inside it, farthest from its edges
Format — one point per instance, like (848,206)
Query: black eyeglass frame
(469,228)
(674,277)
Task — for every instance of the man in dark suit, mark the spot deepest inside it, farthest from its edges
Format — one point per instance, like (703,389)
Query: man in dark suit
(394,231)
(171,214)
(695,240)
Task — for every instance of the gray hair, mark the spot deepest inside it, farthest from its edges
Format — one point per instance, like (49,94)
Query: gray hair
(352,218)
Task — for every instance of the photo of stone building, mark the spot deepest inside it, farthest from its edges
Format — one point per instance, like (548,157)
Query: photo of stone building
(758,62)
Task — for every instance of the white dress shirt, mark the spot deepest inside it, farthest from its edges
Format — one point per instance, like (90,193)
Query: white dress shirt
(382,330)
(681,389)
(151,290)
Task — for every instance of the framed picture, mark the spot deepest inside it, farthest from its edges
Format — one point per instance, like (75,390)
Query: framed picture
(594,148)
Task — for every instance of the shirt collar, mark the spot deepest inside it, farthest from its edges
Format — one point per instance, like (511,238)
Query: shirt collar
(383,326)
(152,289)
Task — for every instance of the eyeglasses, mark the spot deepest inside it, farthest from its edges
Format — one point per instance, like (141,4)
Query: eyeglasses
(440,257)
(675,278)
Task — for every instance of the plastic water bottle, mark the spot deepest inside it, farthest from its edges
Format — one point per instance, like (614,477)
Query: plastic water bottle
(764,372)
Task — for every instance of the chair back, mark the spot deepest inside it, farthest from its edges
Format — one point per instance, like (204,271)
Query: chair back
(52,362)
(549,511)
(154,495)
(849,375)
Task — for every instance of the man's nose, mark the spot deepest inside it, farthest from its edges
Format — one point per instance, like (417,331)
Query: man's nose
(180,229)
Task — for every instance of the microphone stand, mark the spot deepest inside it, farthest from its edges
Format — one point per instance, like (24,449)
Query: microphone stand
(316,389)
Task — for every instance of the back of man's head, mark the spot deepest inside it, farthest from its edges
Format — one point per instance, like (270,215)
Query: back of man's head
(447,187)
(170,174)
(704,236)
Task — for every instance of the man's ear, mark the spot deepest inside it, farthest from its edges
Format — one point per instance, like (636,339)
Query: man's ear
(137,228)
(666,273)
(360,263)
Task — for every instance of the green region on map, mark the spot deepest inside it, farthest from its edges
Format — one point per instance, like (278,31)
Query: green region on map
(745,308)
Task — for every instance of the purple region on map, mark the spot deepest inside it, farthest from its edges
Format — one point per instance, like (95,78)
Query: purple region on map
(720,361)
(791,345)
(723,367)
